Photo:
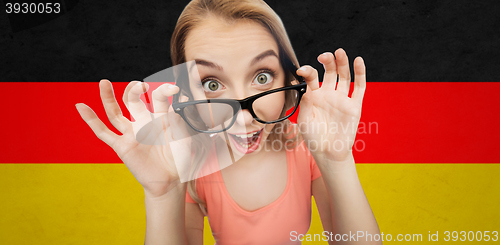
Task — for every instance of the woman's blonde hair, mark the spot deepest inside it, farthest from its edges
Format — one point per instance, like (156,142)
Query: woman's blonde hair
(232,11)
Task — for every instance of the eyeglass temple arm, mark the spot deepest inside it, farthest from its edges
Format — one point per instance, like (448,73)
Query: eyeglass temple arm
(288,65)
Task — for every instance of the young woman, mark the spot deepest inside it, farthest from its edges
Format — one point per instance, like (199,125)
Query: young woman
(241,51)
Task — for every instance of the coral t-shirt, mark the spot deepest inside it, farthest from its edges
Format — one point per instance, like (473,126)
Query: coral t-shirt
(271,224)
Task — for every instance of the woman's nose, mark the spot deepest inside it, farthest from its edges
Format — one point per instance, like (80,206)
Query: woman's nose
(244,117)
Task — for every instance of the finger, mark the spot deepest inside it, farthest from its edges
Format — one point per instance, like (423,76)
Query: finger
(343,70)
(177,125)
(111,107)
(306,113)
(310,75)
(132,99)
(160,98)
(101,131)
(328,61)
(359,80)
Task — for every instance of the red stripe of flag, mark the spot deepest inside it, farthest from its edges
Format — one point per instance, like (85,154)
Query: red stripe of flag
(404,122)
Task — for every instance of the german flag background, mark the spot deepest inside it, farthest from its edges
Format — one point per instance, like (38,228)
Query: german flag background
(427,148)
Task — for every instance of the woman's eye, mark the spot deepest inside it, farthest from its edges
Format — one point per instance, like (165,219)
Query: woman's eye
(263,78)
(211,86)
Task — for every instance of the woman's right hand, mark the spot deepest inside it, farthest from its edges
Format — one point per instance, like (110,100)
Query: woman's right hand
(152,165)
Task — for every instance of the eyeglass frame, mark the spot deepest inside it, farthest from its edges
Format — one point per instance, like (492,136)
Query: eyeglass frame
(242,104)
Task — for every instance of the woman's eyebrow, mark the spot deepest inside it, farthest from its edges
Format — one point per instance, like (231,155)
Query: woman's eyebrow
(257,58)
(208,64)
(263,55)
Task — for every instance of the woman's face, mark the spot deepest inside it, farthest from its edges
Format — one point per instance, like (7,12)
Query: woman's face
(236,61)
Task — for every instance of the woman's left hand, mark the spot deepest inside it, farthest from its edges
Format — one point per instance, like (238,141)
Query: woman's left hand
(328,118)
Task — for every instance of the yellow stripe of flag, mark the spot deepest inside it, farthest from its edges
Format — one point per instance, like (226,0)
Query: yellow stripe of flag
(104,204)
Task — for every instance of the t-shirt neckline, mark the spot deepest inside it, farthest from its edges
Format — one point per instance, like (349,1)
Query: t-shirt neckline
(274,203)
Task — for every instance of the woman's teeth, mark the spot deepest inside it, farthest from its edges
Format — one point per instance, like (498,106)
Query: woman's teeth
(244,136)
(246,140)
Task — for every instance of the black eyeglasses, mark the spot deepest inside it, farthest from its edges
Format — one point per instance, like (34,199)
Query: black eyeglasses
(218,115)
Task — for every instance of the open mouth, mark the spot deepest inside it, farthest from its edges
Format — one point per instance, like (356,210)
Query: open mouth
(246,143)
